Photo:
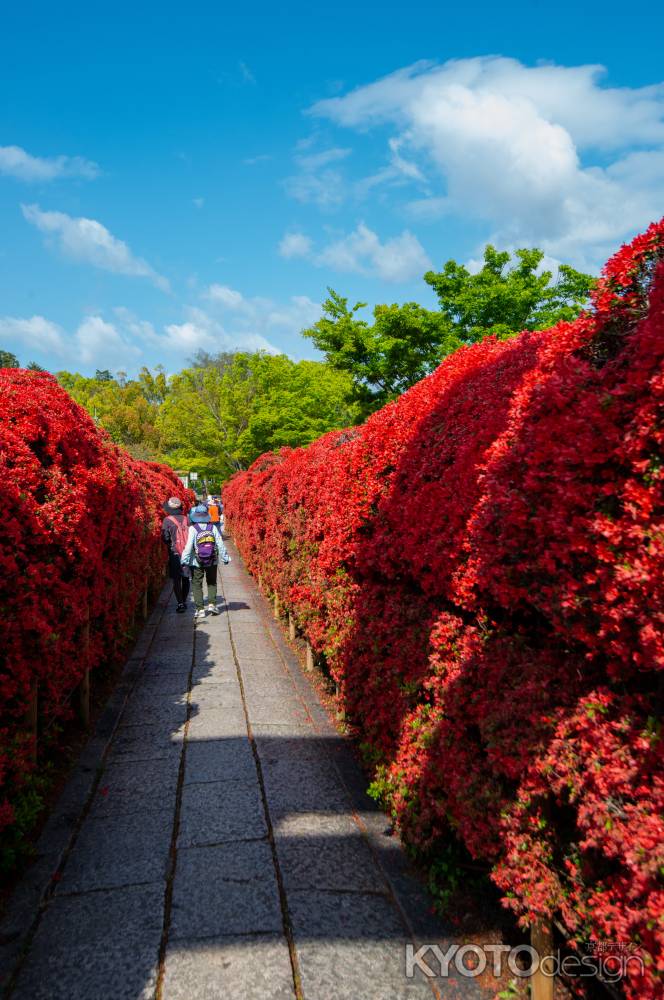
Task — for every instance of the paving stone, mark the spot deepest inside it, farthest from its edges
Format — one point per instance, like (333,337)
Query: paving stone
(152,708)
(304,745)
(219,811)
(103,944)
(207,696)
(219,760)
(351,945)
(228,889)
(162,685)
(145,743)
(214,673)
(131,786)
(116,850)
(276,711)
(302,786)
(232,968)
(266,684)
(323,859)
(373,970)
(216,723)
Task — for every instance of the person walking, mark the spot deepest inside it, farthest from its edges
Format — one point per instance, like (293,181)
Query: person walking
(213,510)
(202,553)
(174,533)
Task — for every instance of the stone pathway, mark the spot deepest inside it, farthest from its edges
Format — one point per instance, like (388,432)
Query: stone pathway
(227,849)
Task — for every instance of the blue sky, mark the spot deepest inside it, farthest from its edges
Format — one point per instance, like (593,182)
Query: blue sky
(173,179)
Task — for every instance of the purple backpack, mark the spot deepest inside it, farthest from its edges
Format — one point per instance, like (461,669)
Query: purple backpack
(205,545)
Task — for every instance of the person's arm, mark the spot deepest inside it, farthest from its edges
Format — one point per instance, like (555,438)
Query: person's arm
(221,548)
(166,533)
(189,547)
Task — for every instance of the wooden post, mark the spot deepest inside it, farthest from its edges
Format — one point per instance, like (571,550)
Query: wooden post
(341,712)
(260,583)
(32,717)
(541,939)
(291,627)
(277,607)
(145,604)
(83,694)
(310,658)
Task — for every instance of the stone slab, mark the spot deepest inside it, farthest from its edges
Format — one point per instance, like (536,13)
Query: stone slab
(220,811)
(216,723)
(206,696)
(118,850)
(233,968)
(134,786)
(103,944)
(322,859)
(219,760)
(276,711)
(145,743)
(225,890)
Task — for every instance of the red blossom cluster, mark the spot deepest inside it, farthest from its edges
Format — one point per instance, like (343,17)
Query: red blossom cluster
(482,567)
(80,542)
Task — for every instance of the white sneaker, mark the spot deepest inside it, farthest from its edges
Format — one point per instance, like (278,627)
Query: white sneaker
(213,609)
(199,615)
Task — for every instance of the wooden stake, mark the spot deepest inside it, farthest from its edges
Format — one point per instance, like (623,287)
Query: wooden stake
(260,582)
(541,939)
(277,607)
(310,658)
(291,627)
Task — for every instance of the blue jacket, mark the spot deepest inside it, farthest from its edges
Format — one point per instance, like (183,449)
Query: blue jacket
(188,557)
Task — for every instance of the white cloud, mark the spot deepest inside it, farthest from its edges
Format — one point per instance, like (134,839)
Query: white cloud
(88,240)
(258,317)
(16,162)
(317,182)
(247,75)
(315,161)
(295,245)
(227,296)
(95,343)
(202,331)
(397,259)
(251,161)
(36,333)
(544,155)
(100,344)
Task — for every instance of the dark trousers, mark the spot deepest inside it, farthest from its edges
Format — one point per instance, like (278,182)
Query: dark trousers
(197,574)
(180,582)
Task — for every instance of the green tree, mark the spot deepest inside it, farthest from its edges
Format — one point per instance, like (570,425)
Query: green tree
(121,407)
(504,300)
(8,360)
(218,418)
(406,342)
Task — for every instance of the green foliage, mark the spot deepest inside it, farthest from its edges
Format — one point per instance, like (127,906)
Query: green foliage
(405,343)
(8,360)
(27,803)
(503,301)
(223,412)
(127,409)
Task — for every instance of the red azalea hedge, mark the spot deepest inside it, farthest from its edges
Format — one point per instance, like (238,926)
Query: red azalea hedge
(80,541)
(481,564)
